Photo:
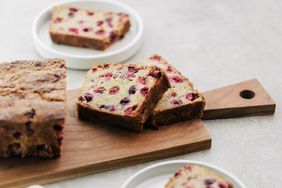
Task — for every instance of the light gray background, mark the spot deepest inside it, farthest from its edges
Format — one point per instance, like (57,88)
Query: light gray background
(215,43)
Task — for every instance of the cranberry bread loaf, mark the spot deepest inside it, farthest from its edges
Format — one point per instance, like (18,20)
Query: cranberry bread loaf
(87,28)
(197,177)
(181,102)
(32,95)
(122,95)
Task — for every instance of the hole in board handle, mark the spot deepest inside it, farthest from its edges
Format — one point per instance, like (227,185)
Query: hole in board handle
(247,94)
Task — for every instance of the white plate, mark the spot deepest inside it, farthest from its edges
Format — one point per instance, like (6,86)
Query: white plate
(157,175)
(81,58)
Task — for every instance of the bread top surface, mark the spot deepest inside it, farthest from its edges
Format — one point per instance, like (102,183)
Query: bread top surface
(118,89)
(32,88)
(182,91)
(197,176)
(88,23)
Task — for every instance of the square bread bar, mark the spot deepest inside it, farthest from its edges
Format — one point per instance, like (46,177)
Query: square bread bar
(121,94)
(87,28)
(180,102)
(32,108)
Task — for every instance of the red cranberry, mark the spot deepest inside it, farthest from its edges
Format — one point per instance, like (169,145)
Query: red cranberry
(209,181)
(57,127)
(156,57)
(177,174)
(169,69)
(100,32)
(129,110)
(17,135)
(58,76)
(73,9)
(114,90)
(30,113)
(188,168)
(60,140)
(38,64)
(44,150)
(222,185)
(99,23)
(71,14)
(87,29)
(132,90)
(28,128)
(81,99)
(113,35)
(142,80)
(173,94)
(108,107)
(176,102)
(108,75)
(100,90)
(94,69)
(73,30)
(144,91)
(124,101)
(104,66)
(111,108)
(129,76)
(109,21)
(191,96)
(132,69)
(58,20)
(88,97)
(155,73)
(14,149)
(177,79)
(90,13)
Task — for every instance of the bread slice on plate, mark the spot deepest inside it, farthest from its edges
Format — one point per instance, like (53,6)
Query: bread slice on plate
(32,108)
(121,94)
(95,29)
(197,176)
(180,102)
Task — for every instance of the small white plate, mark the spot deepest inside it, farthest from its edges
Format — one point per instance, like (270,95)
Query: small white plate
(82,58)
(157,175)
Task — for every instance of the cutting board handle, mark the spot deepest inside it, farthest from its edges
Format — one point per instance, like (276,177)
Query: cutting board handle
(246,98)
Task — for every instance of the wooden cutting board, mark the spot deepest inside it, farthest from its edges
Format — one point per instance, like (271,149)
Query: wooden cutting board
(92,148)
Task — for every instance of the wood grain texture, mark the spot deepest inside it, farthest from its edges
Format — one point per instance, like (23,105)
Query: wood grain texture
(92,148)
(226,102)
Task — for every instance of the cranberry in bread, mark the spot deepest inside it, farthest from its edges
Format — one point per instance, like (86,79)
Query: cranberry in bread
(121,94)
(196,176)
(96,29)
(32,106)
(180,102)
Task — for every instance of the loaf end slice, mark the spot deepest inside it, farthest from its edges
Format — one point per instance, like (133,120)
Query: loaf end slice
(32,108)
(180,102)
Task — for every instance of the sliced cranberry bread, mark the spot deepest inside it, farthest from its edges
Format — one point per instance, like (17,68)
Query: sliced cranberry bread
(121,94)
(32,106)
(196,176)
(181,102)
(87,28)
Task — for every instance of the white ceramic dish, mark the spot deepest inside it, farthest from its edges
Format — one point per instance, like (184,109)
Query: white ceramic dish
(81,58)
(157,175)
